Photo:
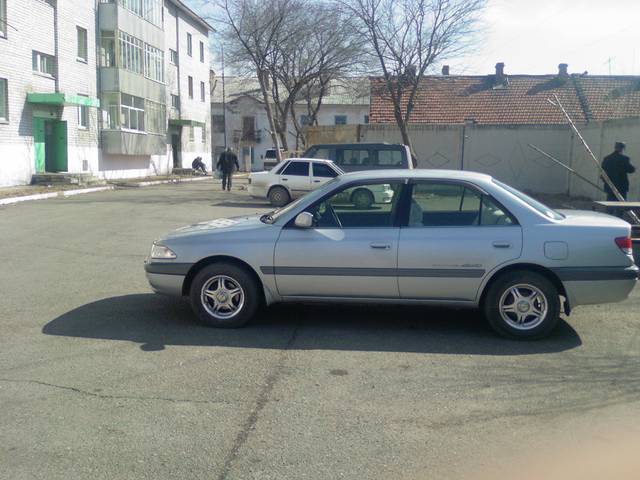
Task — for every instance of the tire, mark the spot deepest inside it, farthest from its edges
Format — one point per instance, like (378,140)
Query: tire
(279,197)
(537,295)
(238,309)
(362,199)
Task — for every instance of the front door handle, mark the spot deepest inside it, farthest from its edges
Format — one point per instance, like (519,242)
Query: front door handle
(380,246)
(316,181)
(501,244)
(285,179)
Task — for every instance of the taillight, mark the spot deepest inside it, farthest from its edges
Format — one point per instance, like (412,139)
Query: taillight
(625,244)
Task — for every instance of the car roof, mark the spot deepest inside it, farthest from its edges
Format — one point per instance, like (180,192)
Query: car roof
(425,173)
(358,144)
(315,160)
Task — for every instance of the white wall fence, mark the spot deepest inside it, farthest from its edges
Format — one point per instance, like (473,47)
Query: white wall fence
(502,151)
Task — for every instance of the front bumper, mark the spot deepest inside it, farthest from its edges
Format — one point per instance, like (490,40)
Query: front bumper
(257,191)
(166,278)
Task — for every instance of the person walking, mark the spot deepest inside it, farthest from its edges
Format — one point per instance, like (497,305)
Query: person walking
(617,167)
(227,162)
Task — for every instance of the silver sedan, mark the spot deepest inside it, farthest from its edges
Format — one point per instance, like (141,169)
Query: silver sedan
(446,237)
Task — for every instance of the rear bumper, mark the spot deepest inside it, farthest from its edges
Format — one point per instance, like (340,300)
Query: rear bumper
(588,286)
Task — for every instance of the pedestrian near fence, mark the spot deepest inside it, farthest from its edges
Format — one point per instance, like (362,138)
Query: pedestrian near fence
(617,167)
(227,163)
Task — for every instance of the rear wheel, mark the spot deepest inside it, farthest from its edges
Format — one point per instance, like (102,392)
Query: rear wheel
(279,197)
(362,199)
(224,295)
(523,305)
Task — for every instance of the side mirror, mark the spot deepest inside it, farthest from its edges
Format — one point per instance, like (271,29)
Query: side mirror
(304,220)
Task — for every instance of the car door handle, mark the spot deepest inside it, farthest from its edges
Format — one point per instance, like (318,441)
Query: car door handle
(380,246)
(316,181)
(501,244)
(285,179)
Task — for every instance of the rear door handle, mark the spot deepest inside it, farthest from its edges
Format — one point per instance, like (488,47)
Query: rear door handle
(501,244)
(380,246)
(316,181)
(285,179)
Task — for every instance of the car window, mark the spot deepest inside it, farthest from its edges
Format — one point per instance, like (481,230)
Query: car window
(390,158)
(297,168)
(320,152)
(279,168)
(540,207)
(453,205)
(372,205)
(350,156)
(323,170)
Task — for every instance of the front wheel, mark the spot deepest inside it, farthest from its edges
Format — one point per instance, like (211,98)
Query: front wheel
(224,296)
(522,305)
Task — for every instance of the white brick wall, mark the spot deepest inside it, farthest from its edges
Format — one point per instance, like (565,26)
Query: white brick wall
(33,29)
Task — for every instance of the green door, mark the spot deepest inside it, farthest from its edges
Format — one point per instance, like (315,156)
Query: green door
(39,144)
(60,146)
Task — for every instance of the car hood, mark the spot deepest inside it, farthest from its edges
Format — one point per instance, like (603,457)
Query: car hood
(221,225)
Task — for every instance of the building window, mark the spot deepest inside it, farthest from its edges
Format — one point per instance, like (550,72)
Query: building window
(305,120)
(132,110)
(150,10)
(173,56)
(217,123)
(202,52)
(190,80)
(189,45)
(83,52)
(340,120)
(3,18)
(131,53)
(156,118)
(192,135)
(203,92)
(83,115)
(107,48)
(204,134)
(43,63)
(175,101)
(153,63)
(366,119)
(4,100)
(110,104)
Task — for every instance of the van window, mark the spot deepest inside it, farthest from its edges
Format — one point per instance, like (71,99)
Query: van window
(353,157)
(390,158)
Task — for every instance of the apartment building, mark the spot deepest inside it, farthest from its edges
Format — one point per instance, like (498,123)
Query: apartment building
(111,88)
(48,88)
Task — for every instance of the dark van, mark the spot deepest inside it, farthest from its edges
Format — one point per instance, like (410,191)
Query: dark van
(353,157)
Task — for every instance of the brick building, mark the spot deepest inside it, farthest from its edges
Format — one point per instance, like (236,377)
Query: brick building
(107,88)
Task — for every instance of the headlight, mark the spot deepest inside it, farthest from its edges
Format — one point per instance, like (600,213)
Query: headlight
(160,252)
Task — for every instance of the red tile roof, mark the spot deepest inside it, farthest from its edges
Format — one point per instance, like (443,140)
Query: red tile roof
(522,101)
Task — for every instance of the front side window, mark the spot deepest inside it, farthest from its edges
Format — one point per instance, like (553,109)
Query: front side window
(4,100)
(323,170)
(43,63)
(362,206)
(452,205)
(82,44)
(297,169)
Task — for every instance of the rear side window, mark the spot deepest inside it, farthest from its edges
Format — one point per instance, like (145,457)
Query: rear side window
(354,157)
(323,170)
(451,205)
(390,158)
(297,168)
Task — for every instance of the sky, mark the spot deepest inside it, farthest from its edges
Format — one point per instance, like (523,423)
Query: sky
(534,36)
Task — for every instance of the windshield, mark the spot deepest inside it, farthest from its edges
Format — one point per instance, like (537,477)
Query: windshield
(278,212)
(535,204)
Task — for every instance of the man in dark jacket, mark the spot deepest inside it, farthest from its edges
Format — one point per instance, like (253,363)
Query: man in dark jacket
(618,167)
(227,162)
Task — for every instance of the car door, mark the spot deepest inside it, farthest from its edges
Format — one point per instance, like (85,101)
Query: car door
(348,252)
(452,237)
(321,173)
(296,177)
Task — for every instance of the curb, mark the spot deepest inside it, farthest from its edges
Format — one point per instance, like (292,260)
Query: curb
(162,182)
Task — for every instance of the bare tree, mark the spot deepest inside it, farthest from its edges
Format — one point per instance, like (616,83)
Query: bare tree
(407,37)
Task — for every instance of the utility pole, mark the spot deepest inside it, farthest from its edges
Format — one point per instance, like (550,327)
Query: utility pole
(224,102)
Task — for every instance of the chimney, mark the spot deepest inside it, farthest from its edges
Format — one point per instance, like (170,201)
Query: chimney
(563,71)
(445,70)
(500,80)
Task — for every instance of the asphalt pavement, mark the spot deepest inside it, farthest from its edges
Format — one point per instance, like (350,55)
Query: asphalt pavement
(102,379)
